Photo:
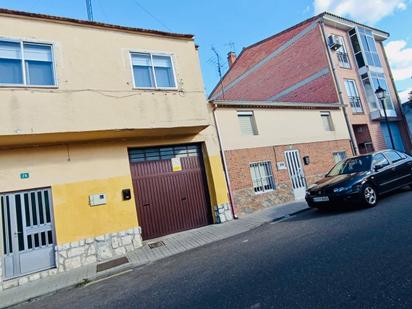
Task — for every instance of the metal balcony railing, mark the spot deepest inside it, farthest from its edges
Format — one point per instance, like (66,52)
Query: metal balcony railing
(343,59)
(356,104)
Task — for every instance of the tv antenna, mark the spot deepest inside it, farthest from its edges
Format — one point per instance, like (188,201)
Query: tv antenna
(89,7)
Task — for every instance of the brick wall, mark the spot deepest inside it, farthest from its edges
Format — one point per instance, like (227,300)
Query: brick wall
(238,161)
(301,60)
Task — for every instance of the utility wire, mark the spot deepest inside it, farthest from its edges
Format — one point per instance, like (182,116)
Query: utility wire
(151,15)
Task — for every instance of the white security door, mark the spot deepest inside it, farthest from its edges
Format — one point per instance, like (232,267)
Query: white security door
(27,232)
(296,174)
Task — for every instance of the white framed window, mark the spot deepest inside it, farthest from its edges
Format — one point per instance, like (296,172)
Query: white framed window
(353,95)
(327,121)
(26,63)
(262,177)
(339,156)
(153,71)
(342,53)
(247,123)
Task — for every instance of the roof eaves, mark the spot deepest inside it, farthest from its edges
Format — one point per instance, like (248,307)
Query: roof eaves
(81,22)
(353,22)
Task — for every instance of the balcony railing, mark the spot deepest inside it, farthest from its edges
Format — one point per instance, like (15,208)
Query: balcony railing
(343,59)
(356,104)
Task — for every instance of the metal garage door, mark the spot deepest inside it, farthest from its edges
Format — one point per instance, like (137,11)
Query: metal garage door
(28,242)
(170,189)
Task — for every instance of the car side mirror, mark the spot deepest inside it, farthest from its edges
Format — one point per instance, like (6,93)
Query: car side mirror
(378,167)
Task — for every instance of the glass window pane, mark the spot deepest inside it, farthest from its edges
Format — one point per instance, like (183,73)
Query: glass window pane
(39,73)
(11,71)
(143,76)
(163,71)
(164,77)
(10,50)
(37,52)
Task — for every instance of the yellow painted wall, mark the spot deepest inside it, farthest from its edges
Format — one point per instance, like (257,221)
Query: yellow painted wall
(94,82)
(75,171)
(76,219)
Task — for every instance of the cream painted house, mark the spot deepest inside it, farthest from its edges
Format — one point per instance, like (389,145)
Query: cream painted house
(105,139)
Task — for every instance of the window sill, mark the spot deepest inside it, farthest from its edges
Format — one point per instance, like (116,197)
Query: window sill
(156,89)
(28,86)
(267,191)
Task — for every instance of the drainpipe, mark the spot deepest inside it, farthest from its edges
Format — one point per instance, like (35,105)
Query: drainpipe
(225,169)
(354,145)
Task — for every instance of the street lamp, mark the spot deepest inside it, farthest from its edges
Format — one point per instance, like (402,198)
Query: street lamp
(381,94)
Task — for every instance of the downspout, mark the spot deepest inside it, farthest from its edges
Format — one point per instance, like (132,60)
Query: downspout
(354,145)
(225,169)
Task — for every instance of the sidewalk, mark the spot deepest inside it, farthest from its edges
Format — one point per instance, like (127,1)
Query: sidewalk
(152,250)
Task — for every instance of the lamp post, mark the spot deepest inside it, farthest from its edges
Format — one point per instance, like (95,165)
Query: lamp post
(381,94)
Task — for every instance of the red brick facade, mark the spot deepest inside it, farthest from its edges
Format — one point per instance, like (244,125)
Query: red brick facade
(238,161)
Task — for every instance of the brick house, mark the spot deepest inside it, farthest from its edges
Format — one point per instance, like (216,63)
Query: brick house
(308,89)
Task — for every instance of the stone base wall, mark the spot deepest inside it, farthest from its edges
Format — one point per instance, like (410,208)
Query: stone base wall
(81,253)
(247,201)
(223,213)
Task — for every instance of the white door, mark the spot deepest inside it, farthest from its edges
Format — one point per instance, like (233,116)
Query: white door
(296,174)
(27,232)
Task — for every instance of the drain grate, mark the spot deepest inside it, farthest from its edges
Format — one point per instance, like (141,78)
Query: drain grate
(112,263)
(157,244)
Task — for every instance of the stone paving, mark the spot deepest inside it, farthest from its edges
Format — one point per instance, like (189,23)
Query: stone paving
(171,245)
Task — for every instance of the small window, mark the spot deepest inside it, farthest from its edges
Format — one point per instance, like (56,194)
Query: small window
(247,123)
(262,177)
(153,71)
(393,156)
(339,156)
(353,95)
(379,159)
(342,54)
(327,121)
(23,63)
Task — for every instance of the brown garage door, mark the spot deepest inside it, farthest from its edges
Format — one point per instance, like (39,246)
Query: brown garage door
(169,201)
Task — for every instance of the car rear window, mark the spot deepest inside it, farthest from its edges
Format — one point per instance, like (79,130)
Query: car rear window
(393,156)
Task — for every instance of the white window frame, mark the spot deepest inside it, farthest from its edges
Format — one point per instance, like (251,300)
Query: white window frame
(24,84)
(171,56)
(330,121)
(250,114)
(342,49)
(357,96)
(270,176)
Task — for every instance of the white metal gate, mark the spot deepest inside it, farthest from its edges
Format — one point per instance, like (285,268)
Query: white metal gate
(28,237)
(296,173)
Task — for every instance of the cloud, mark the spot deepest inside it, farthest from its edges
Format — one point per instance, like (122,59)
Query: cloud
(404,95)
(400,59)
(365,11)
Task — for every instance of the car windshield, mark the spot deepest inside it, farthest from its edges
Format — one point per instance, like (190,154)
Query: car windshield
(352,165)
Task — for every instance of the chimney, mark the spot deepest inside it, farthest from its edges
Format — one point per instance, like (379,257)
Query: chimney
(231,58)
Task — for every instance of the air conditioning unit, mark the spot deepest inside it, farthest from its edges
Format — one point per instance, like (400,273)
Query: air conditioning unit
(333,42)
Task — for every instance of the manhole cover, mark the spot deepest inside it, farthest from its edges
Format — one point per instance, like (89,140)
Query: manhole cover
(156,244)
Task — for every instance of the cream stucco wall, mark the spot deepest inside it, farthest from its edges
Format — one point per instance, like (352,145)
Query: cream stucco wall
(279,127)
(94,82)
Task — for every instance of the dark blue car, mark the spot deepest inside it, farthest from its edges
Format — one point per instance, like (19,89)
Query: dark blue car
(362,179)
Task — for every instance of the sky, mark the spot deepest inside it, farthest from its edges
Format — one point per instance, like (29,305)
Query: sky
(232,25)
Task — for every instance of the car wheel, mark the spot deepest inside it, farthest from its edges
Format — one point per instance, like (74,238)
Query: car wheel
(370,196)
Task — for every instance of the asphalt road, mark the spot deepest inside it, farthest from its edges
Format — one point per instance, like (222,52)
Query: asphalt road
(359,258)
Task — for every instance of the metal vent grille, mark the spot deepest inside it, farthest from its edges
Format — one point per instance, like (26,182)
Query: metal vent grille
(163,153)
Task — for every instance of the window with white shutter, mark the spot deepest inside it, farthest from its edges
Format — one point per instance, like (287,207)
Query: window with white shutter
(247,123)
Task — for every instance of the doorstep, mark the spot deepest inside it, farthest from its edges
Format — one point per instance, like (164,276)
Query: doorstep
(151,251)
